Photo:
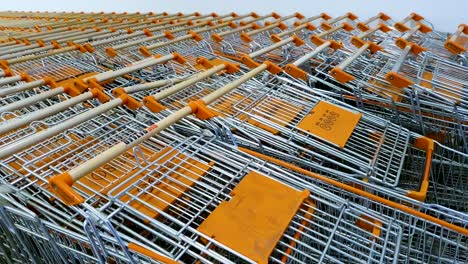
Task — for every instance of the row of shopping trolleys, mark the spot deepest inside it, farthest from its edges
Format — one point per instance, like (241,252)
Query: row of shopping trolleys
(191,138)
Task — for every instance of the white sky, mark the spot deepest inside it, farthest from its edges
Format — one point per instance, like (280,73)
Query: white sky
(444,14)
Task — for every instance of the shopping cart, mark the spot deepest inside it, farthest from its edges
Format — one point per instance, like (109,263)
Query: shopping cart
(147,200)
(282,109)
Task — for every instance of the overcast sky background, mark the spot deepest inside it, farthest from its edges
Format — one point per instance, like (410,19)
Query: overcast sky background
(444,14)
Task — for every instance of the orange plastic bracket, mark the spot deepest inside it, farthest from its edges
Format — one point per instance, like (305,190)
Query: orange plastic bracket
(118,91)
(272,68)
(168,35)
(297,41)
(256,26)
(363,27)
(310,27)
(195,36)
(282,26)
(384,16)
(129,101)
(145,51)
(401,27)
(275,38)
(40,43)
(335,45)
(93,83)
(416,17)
(80,48)
(50,82)
(341,76)
(347,27)
(111,52)
(153,105)
(369,224)
(325,16)
(373,48)
(246,38)
(100,95)
(326,26)
(25,77)
(80,85)
(60,185)
(72,91)
(465,28)
(177,57)
(55,44)
(201,111)
(317,40)
(7,71)
(275,15)
(397,80)
(232,25)
(296,72)
(454,47)
(384,28)
(249,62)
(351,16)
(147,32)
(216,38)
(357,42)
(423,28)
(299,15)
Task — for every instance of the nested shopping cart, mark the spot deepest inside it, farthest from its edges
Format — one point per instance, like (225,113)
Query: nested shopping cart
(28,238)
(423,240)
(167,198)
(393,157)
(432,105)
(163,199)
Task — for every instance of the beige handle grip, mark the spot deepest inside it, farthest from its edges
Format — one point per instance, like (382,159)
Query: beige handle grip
(190,81)
(172,41)
(134,67)
(312,54)
(271,47)
(39,56)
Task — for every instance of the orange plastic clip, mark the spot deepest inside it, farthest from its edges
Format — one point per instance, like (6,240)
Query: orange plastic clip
(49,81)
(153,105)
(147,32)
(25,77)
(341,75)
(246,38)
(145,51)
(296,72)
(249,62)
(129,101)
(111,52)
(201,111)
(297,41)
(272,68)
(72,91)
(397,80)
(61,186)
(216,38)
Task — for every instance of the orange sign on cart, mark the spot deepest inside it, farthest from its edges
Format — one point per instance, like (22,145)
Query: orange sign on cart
(331,123)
